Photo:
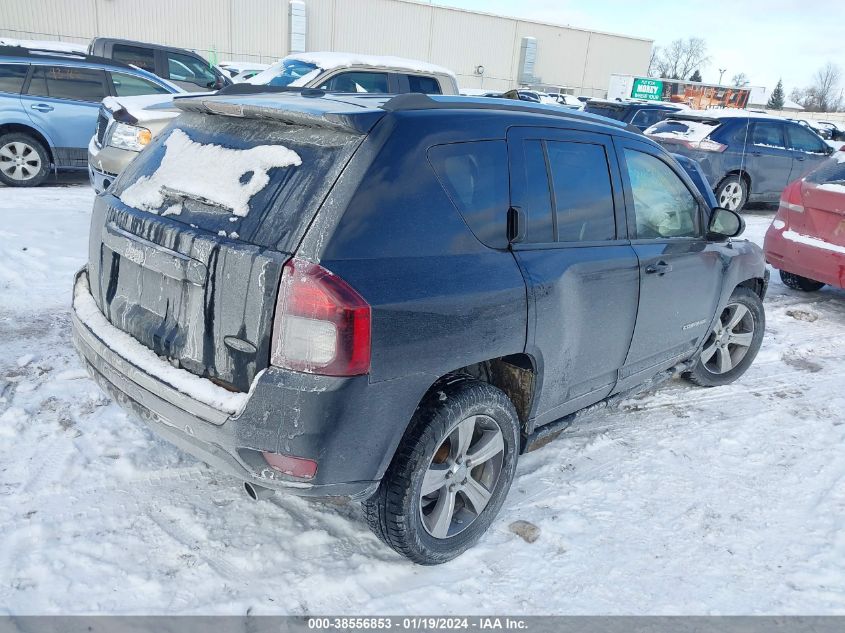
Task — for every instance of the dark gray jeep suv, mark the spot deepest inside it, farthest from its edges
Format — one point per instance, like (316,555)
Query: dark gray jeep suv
(390,299)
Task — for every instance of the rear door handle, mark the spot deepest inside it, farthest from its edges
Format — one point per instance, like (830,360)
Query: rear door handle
(42,107)
(660,268)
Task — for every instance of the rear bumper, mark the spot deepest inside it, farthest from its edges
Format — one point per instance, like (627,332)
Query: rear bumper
(284,412)
(805,255)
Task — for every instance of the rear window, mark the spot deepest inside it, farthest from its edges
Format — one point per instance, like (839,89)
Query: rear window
(135,56)
(612,112)
(687,130)
(253,180)
(831,172)
(475,177)
(12,77)
(425,85)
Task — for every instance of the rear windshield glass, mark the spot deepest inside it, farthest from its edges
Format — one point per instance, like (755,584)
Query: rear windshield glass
(611,112)
(686,130)
(252,180)
(832,172)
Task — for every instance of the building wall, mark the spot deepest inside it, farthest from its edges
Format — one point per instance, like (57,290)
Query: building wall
(258,30)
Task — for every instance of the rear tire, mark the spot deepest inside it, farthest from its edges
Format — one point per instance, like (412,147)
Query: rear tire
(732,193)
(797,282)
(450,475)
(732,345)
(24,162)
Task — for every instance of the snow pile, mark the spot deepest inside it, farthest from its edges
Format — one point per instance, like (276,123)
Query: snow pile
(684,501)
(145,359)
(223,176)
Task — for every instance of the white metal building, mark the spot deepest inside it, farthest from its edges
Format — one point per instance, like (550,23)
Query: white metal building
(484,50)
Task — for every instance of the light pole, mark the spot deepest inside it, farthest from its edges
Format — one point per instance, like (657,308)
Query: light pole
(721,72)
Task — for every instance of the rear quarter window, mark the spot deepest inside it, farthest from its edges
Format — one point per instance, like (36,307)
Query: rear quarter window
(475,177)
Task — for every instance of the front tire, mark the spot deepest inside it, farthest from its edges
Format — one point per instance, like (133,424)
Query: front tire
(797,282)
(732,345)
(732,193)
(450,475)
(24,161)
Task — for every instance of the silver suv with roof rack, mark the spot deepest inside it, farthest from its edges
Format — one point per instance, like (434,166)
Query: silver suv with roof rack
(138,121)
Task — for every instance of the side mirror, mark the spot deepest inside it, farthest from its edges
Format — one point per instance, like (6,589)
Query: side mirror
(724,224)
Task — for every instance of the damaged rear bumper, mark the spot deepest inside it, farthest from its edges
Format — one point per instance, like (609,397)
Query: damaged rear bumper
(285,412)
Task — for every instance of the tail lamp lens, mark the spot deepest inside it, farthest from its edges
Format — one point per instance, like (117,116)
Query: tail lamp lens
(322,325)
(289,465)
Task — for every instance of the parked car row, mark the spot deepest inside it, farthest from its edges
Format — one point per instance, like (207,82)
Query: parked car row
(48,108)
(746,156)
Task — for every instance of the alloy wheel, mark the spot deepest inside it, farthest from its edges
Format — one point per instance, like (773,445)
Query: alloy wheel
(462,476)
(730,340)
(731,196)
(19,161)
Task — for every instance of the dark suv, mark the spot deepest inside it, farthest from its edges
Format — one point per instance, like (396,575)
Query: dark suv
(640,114)
(747,157)
(390,299)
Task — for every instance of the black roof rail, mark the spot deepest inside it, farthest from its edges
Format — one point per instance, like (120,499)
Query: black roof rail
(418,101)
(47,53)
(253,89)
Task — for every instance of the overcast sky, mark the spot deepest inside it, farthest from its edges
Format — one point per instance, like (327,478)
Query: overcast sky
(764,39)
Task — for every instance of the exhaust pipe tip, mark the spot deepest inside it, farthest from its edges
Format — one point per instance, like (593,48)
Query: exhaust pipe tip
(257,493)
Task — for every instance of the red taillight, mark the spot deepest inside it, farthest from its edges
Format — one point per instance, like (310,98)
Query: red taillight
(322,325)
(790,199)
(289,465)
(707,145)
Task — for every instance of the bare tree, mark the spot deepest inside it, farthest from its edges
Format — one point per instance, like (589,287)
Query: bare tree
(825,94)
(680,58)
(739,80)
(653,62)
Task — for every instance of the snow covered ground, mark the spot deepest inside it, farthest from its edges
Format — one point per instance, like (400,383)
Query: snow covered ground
(688,500)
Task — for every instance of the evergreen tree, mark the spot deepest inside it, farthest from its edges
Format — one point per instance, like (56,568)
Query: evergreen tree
(696,76)
(777,99)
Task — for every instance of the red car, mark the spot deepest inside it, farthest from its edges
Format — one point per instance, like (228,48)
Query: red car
(806,240)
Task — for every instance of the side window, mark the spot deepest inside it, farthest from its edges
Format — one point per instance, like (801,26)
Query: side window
(68,82)
(475,177)
(190,70)
(130,86)
(803,140)
(136,56)
(425,85)
(583,195)
(357,82)
(768,134)
(12,77)
(663,206)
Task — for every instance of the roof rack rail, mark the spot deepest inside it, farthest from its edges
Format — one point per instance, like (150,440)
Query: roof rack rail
(418,101)
(48,53)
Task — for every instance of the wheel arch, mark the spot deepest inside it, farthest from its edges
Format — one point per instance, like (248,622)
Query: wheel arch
(10,128)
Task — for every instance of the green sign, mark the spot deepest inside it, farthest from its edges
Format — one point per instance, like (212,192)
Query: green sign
(651,89)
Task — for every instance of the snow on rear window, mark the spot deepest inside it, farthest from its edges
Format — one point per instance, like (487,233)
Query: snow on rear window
(682,130)
(229,177)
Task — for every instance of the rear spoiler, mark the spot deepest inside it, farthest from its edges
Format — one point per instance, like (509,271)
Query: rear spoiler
(294,111)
